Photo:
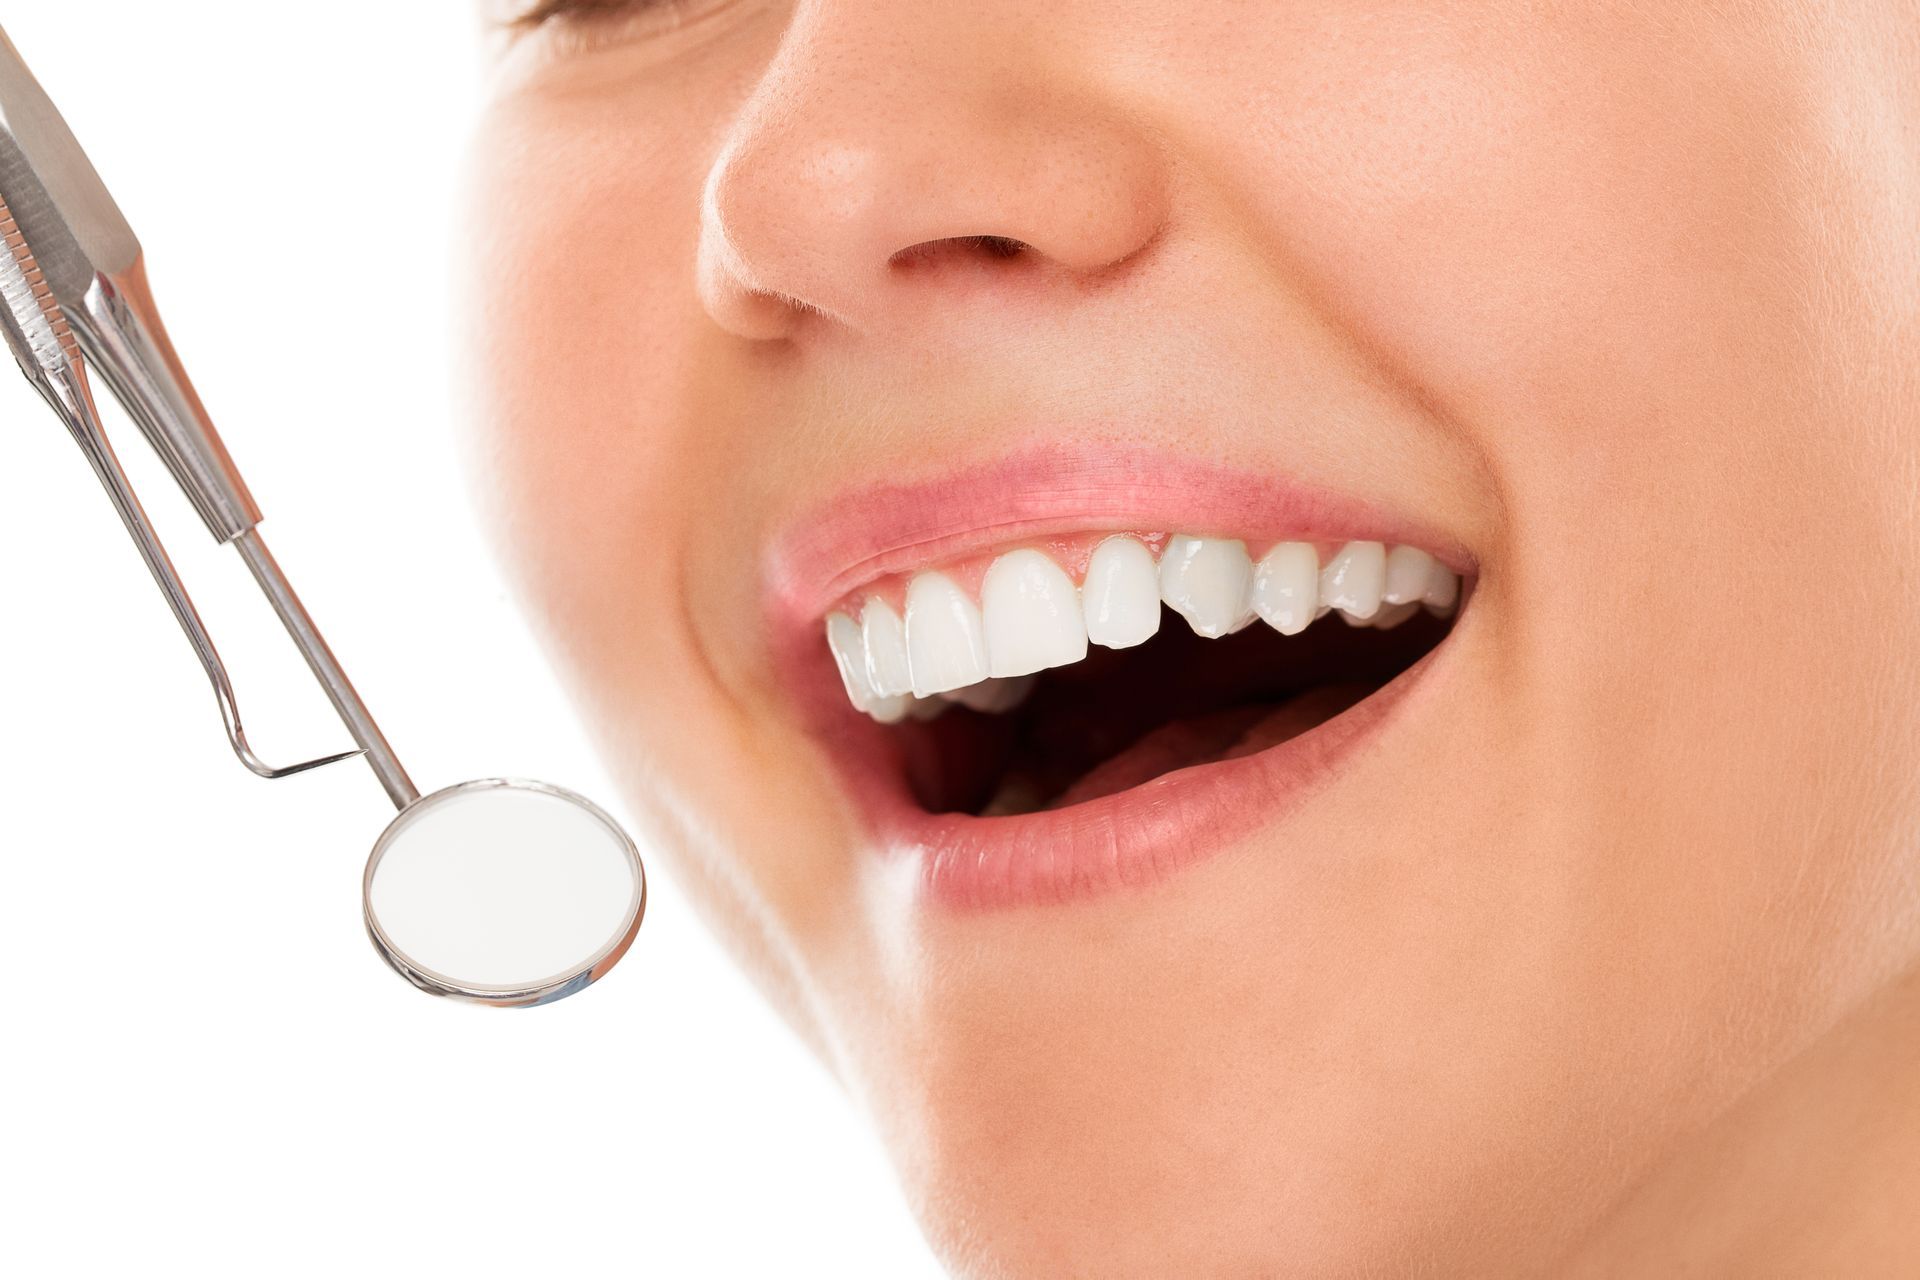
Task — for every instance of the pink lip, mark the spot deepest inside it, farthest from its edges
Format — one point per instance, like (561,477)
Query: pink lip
(1130,838)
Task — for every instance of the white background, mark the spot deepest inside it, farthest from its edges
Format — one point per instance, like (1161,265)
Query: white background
(207,1071)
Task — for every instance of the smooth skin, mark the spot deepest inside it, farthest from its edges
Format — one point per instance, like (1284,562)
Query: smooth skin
(1601,962)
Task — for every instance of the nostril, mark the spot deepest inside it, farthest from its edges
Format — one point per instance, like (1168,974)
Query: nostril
(928,252)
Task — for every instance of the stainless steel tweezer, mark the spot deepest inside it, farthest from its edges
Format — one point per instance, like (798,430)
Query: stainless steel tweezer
(75,293)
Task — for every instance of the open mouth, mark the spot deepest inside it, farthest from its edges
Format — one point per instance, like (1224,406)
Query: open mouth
(1076,668)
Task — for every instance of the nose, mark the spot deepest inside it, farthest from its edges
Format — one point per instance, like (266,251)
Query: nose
(890,156)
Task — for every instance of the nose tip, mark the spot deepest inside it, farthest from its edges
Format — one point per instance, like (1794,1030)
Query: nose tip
(855,201)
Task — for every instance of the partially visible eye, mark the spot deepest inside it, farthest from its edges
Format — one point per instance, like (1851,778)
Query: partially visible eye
(561,28)
(580,10)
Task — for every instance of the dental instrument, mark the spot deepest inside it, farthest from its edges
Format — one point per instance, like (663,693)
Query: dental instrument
(501,892)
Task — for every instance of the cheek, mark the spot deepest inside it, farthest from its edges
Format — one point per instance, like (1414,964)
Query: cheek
(1599,244)
(1611,255)
(608,461)
(1517,213)
(577,311)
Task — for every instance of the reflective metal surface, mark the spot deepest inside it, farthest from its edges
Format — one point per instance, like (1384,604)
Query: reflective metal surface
(76,293)
(326,668)
(91,263)
(43,344)
(507,896)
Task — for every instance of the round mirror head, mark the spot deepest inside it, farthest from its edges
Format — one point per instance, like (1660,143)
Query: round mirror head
(503,892)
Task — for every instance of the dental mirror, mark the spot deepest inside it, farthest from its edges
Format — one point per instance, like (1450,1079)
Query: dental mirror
(503,892)
(500,892)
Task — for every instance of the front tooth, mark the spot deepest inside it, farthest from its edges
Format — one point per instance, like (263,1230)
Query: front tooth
(992,696)
(850,655)
(1443,590)
(1121,595)
(1206,581)
(1031,614)
(1354,577)
(945,646)
(1409,569)
(888,674)
(1286,587)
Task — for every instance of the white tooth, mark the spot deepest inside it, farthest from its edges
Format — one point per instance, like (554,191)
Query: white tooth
(1031,615)
(850,655)
(890,710)
(1353,578)
(1207,582)
(1121,595)
(1286,587)
(926,708)
(992,696)
(886,641)
(1392,615)
(1408,572)
(1443,590)
(945,646)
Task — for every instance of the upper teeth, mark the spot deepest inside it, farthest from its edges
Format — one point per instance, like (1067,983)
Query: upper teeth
(1121,594)
(1032,616)
(1207,581)
(945,645)
(1032,612)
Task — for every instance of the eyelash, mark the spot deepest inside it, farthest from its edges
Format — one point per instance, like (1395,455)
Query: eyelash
(580,11)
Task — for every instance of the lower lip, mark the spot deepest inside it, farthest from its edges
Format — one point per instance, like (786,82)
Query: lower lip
(1132,839)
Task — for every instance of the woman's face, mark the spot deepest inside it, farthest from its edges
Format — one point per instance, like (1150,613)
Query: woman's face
(1253,963)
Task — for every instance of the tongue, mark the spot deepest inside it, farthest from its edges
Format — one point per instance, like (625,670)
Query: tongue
(1204,739)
